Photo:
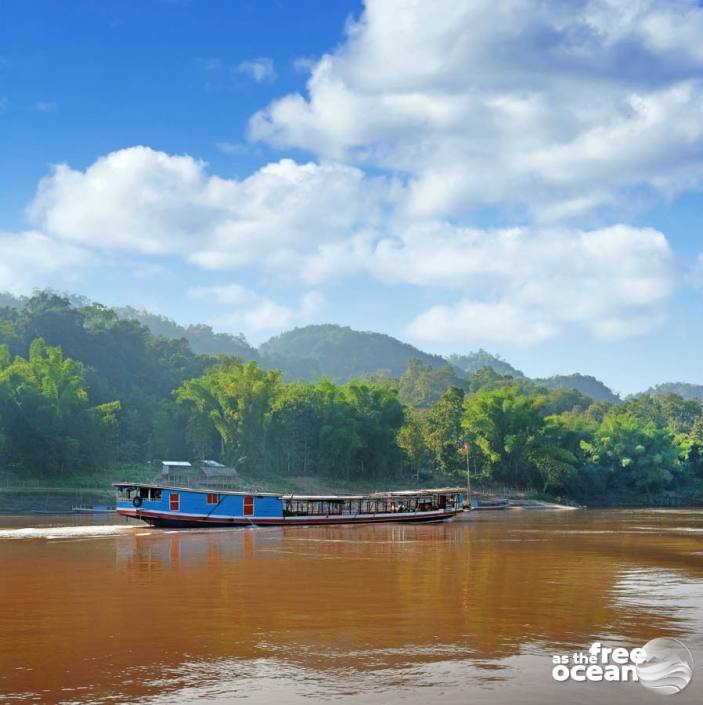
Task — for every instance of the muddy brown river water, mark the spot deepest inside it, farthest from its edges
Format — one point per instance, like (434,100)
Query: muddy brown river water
(105,611)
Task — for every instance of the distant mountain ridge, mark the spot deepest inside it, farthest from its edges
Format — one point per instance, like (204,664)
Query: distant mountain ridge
(474,361)
(341,353)
(202,338)
(586,384)
(690,392)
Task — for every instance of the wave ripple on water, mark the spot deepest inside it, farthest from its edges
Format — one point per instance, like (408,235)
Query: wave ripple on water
(66,532)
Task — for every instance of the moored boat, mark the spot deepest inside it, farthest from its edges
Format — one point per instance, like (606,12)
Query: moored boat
(491,504)
(94,509)
(182,507)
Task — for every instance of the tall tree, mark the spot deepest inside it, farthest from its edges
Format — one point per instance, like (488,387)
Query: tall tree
(237,400)
(506,426)
(443,432)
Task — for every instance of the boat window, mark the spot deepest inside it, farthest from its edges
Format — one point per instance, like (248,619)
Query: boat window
(174,502)
(213,498)
(248,506)
(154,494)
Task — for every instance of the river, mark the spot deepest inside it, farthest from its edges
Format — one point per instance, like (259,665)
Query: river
(104,611)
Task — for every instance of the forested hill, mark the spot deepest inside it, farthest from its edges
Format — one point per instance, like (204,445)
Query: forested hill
(341,353)
(475,361)
(202,339)
(311,352)
(690,392)
(586,384)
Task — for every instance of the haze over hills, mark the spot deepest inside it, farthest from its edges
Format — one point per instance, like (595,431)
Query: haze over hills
(474,361)
(586,384)
(690,392)
(340,353)
(202,338)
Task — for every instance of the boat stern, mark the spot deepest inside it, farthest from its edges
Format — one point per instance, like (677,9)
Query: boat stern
(138,501)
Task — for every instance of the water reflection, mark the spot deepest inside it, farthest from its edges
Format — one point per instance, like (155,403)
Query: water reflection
(406,613)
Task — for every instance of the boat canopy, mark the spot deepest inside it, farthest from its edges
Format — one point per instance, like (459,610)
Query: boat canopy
(402,494)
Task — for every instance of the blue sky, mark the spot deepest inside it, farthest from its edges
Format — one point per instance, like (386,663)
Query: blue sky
(522,178)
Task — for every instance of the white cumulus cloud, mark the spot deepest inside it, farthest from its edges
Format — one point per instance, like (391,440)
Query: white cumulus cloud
(529,285)
(315,223)
(557,108)
(153,203)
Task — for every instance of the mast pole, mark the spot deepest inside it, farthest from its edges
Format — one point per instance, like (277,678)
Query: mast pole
(467,448)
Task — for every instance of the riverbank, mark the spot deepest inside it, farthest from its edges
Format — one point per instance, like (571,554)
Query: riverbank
(50,500)
(48,494)
(51,493)
(539,504)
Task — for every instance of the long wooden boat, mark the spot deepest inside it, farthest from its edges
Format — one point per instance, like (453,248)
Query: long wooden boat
(183,507)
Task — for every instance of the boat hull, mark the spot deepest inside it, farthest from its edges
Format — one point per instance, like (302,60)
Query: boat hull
(167,520)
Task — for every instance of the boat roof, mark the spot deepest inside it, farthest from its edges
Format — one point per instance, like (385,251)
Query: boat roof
(399,494)
(159,486)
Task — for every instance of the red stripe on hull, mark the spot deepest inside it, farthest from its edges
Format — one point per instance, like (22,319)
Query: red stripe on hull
(161,519)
